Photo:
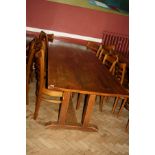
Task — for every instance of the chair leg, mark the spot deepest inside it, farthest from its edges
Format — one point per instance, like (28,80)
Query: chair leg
(59,110)
(101,103)
(102,100)
(122,106)
(127,125)
(115,104)
(79,99)
(107,99)
(86,98)
(37,106)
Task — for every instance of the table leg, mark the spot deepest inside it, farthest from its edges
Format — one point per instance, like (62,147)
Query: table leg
(64,108)
(88,108)
(122,106)
(85,126)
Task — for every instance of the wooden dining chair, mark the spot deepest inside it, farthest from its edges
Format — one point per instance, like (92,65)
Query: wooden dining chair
(110,61)
(109,48)
(42,93)
(105,49)
(119,74)
(125,103)
(99,51)
(93,46)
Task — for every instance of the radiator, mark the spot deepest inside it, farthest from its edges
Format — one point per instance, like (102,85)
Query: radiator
(120,41)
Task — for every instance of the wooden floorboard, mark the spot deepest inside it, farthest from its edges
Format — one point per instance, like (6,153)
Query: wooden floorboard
(111,138)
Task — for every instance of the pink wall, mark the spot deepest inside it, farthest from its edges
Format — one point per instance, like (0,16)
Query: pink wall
(75,20)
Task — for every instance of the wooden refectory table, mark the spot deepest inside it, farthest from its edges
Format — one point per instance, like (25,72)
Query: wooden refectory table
(73,68)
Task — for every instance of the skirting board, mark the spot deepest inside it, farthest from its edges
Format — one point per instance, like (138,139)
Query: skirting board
(62,34)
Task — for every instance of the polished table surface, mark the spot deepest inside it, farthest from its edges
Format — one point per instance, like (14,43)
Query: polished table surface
(73,68)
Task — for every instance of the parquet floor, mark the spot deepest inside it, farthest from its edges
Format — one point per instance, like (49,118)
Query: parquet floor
(111,138)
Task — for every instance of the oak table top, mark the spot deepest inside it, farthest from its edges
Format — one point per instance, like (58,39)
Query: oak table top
(76,69)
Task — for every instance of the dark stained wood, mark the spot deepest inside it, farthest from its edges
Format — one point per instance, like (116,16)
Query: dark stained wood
(64,107)
(88,107)
(75,69)
(73,126)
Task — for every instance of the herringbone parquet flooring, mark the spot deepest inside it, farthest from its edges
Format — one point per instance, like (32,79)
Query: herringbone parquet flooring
(111,138)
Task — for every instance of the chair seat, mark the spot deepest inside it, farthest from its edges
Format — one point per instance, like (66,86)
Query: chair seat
(51,92)
(50,99)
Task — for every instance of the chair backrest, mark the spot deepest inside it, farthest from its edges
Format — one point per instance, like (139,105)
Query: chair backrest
(40,73)
(104,49)
(119,71)
(99,51)
(109,61)
(109,48)
(92,45)
(43,36)
(50,37)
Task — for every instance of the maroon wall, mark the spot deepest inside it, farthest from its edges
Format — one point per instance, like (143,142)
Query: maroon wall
(71,19)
